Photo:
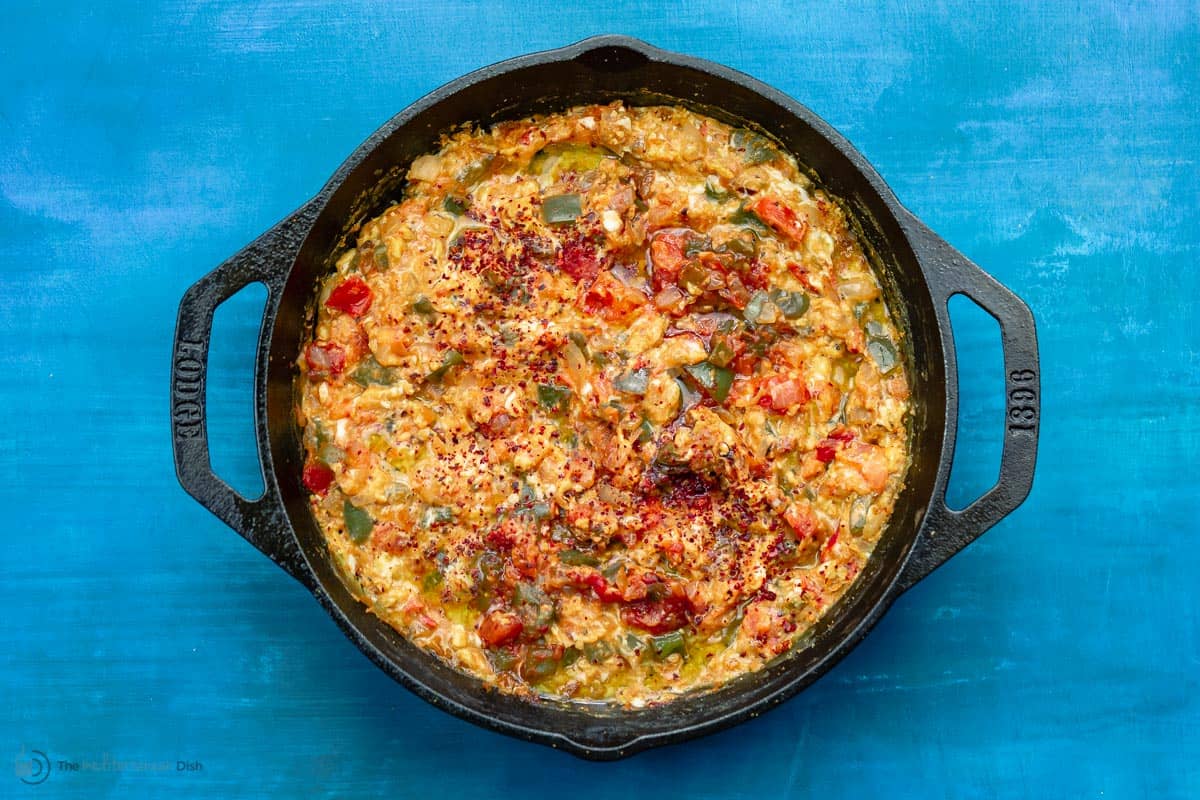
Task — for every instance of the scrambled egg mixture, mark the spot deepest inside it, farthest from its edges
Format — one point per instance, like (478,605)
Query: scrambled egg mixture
(608,408)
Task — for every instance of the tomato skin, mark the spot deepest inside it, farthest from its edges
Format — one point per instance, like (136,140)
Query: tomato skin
(325,359)
(317,477)
(781,218)
(499,628)
(352,296)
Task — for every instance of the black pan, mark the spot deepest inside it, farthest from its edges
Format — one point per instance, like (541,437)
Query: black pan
(919,273)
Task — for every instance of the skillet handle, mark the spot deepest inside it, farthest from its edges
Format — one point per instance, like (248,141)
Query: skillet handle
(267,260)
(947,531)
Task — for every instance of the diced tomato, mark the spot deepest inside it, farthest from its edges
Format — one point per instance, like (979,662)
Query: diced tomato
(605,591)
(317,477)
(828,447)
(744,363)
(656,616)
(351,296)
(781,218)
(500,627)
(611,299)
(800,516)
(841,434)
(325,359)
(667,258)
(579,259)
(782,394)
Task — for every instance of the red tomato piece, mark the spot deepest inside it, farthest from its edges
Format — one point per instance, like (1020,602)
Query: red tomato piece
(841,434)
(781,218)
(351,296)
(826,450)
(605,591)
(317,477)
(783,393)
(667,258)
(500,627)
(325,359)
(656,616)
(611,299)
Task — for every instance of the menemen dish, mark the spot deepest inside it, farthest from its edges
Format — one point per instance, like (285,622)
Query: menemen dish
(609,408)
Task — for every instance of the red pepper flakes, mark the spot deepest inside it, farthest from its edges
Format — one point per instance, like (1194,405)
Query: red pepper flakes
(580,259)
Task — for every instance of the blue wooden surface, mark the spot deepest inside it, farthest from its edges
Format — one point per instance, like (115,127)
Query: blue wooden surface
(142,143)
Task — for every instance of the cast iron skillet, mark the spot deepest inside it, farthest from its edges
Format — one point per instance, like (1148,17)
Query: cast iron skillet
(919,273)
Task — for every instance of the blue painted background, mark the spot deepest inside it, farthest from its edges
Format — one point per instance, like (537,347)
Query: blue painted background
(142,143)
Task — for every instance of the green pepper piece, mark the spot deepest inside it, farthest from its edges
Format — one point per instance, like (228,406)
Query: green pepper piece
(703,373)
(577,558)
(713,191)
(722,351)
(791,304)
(875,329)
(758,149)
(422,305)
(645,432)
(502,659)
(432,580)
(559,209)
(528,594)
(579,341)
(371,371)
(884,354)
(358,522)
(540,663)
(722,383)
(744,216)
(754,308)
(597,651)
(452,359)
(746,245)
(858,514)
(454,205)
(579,159)
(551,396)
(667,644)
(571,655)
(633,382)
(381,257)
